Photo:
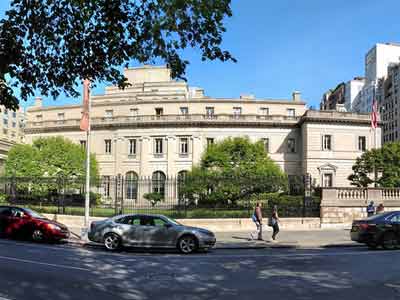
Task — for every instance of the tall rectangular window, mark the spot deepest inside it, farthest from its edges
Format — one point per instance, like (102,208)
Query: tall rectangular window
(39,118)
(60,118)
(159,111)
(132,147)
(14,114)
(5,122)
(210,141)
(362,143)
(134,112)
(158,146)
(184,111)
(209,111)
(237,111)
(107,144)
(327,142)
(327,180)
(266,144)
(264,111)
(109,113)
(291,112)
(14,124)
(183,145)
(291,145)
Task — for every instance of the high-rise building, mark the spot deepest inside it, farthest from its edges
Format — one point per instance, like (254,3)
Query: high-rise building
(389,104)
(359,93)
(12,125)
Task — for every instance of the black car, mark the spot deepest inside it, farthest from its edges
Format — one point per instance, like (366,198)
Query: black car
(378,230)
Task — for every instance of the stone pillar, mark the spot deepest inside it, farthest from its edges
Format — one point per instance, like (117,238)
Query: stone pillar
(144,172)
(197,149)
(172,153)
(117,149)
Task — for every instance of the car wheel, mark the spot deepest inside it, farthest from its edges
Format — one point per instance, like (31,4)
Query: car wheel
(187,244)
(112,241)
(390,241)
(37,235)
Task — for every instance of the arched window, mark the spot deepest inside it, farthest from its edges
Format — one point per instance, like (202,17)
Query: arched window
(131,179)
(158,183)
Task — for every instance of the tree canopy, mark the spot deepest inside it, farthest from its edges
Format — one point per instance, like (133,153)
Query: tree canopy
(49,46)
(384,162)
(232,170)
(49,157)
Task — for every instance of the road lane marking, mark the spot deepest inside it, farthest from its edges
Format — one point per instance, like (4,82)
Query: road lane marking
(43,264)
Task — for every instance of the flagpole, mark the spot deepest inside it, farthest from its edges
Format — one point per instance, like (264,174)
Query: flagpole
(87,195)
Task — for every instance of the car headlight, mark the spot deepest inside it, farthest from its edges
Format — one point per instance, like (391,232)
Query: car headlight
(54,227)
(206,232)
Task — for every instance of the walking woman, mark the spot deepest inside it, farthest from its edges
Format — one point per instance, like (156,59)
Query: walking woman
(275,222)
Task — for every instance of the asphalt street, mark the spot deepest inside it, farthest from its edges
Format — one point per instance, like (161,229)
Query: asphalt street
(36,271)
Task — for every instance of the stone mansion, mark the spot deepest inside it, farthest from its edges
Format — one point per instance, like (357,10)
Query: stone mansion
(159,127)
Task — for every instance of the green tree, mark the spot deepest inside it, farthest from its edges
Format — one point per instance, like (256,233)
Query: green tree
(381,164)
(49,46)
(232,170)
(49,157)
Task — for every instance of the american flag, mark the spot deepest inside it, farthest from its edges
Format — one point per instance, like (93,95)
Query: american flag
(374,114)
(85,113)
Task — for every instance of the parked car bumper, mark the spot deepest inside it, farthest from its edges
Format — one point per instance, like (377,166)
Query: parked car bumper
(361,237)
(206,243)
(58,235)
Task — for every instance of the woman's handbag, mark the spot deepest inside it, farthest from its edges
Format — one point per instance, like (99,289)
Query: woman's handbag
(271,221)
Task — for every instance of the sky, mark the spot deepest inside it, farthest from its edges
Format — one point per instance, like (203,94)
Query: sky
(282,46)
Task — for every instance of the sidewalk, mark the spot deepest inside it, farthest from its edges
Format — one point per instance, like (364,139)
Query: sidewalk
(285,239)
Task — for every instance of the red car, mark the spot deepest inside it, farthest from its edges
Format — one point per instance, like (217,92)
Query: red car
(17,222)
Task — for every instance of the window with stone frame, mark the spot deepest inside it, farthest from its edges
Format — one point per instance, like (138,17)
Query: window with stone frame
(158,146)
(327,142)
(327,180)
(266,144)
(291,145)
(132,146)
(184,145)
(107,144)
(362,143)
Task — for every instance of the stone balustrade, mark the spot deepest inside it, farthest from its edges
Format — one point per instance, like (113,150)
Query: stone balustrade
(151,119)
(340,206)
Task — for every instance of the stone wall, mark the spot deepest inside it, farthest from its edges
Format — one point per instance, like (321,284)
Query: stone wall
(340,206)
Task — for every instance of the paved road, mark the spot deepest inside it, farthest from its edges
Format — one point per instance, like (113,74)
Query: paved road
(32,271)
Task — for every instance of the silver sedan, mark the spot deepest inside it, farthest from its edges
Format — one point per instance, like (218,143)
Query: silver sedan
(156,231)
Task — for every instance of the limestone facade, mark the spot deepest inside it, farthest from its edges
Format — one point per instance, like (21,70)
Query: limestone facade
(162,125)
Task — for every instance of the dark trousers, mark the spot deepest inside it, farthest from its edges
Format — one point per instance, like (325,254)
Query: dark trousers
(275,229)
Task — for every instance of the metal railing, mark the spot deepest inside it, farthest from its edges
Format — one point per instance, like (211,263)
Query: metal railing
(117,195)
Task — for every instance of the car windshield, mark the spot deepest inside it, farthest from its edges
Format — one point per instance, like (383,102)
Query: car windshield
(173,221)
(34,214)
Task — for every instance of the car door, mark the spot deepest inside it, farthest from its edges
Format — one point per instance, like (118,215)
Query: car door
(157,232)
(128,228)
(17,223)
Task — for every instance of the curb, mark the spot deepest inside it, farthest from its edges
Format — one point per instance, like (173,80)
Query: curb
(83,244)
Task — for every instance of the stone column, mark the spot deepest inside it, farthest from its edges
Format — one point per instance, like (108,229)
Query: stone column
(172,146)
(144,172)
(197,149)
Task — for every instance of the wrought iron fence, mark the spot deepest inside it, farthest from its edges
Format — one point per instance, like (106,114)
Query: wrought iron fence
(158,194)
